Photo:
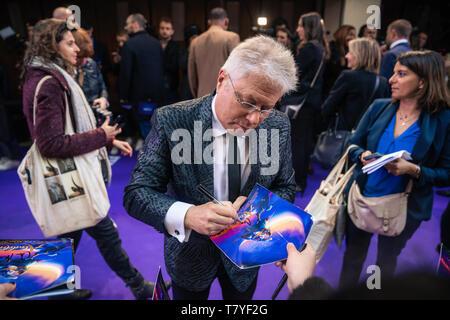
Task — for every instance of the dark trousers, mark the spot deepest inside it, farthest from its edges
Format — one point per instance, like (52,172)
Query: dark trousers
(302,134)
(229,292)
(108,242)
(357,245)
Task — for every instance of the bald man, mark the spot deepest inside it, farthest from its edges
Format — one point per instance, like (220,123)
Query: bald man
(61,13)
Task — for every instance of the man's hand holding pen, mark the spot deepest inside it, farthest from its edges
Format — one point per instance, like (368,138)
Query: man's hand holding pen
(211,218)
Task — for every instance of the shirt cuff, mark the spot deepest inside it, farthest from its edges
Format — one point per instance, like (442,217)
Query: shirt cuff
(174,221)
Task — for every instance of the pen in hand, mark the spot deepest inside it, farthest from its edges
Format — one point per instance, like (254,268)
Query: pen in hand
(208,195)
(284,278)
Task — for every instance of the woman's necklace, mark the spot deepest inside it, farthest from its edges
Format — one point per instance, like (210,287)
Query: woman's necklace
(404,119)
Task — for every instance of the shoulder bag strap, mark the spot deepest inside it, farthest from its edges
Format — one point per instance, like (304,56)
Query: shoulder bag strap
(36,92)
(317,72)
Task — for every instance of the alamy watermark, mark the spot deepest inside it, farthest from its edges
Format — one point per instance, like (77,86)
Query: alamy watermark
(374,280)
(374,20)
(74,282)
(258,148)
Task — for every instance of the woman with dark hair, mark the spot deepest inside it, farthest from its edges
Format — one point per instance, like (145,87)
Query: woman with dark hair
(417,120)
(310,55)
(53,52)
(353,88)
(338,49)
(89,76)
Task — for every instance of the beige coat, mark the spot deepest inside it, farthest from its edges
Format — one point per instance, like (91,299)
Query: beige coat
(207,54)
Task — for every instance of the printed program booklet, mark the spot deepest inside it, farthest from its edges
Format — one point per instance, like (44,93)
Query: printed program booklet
(40,268)
(266,224)
(443,269)
(380,162)
(160,291)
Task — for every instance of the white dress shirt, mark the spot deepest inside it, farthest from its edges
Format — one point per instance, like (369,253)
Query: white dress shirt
(174,220)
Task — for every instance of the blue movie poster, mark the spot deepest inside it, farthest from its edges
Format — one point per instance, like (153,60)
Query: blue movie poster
(160,290)
(35,265)
(266,224)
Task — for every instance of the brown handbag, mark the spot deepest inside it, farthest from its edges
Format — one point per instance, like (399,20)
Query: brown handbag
(384,215)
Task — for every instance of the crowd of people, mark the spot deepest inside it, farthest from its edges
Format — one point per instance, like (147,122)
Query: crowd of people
(393,96)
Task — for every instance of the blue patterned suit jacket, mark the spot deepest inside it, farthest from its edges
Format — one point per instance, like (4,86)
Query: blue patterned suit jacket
(193,265)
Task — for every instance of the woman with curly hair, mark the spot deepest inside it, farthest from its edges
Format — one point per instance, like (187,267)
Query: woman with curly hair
(53,52)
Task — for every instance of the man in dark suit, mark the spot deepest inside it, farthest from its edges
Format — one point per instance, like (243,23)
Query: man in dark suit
(223,137)
(141,77)
(397,36)
(171,60)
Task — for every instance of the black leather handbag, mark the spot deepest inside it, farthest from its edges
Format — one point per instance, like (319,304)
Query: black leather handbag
(291,109)
(332,143)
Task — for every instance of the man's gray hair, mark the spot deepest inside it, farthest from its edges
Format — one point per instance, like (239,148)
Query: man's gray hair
(140,19)
(261,55)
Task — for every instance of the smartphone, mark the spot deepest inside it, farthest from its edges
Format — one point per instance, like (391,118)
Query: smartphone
(375,155)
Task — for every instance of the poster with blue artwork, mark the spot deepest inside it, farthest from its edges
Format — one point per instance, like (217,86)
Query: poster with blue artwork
(39,268)
(266,224)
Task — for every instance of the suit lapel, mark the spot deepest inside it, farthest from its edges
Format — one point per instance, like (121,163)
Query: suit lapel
(255,167)
(379,126)
(206,171)
(427,133)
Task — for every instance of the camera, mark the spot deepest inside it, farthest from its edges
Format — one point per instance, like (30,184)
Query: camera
(102,114)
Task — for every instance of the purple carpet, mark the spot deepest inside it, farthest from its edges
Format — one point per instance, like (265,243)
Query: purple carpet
(145,246)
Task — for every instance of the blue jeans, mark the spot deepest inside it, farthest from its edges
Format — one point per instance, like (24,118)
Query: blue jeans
(108,242)
(357,245)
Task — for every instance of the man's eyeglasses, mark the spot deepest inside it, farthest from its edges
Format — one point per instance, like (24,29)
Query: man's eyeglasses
(263,111)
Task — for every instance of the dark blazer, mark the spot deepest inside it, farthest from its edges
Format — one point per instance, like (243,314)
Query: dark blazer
(350,94)
(390,58)
(172,65)
(308,62)
(194,264)
(431,152)
(141,69)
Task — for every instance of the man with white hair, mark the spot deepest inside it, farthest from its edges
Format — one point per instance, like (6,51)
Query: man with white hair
(218,152)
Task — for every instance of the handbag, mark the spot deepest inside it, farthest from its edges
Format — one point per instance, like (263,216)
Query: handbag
(64,195)
(385,215)
(331,144)
(292,110)
(327,201)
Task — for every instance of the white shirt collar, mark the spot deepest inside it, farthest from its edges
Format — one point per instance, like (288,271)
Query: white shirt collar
(218,129)
(396,43)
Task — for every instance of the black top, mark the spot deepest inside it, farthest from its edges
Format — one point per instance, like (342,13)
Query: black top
(333,67)
(172,64)
(308,62)
(349,96)
(141,69)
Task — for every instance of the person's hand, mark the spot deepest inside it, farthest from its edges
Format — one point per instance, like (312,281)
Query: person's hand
(5,289)
(365,154)
(110,131)
(298,266)
(102,102)
(400,166)
(211,218)
(383,49)
(124,147)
